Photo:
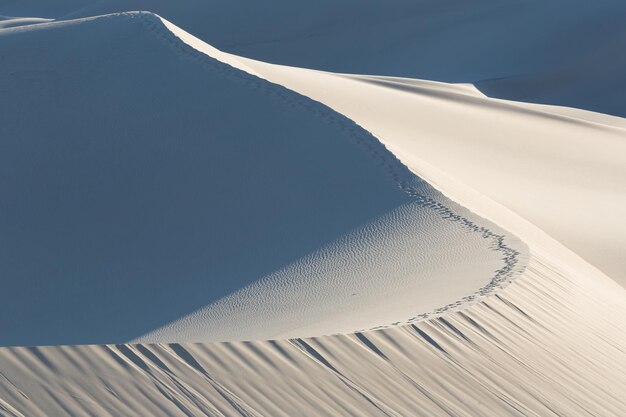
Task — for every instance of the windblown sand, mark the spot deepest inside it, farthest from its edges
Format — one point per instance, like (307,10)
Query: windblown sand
(188,232)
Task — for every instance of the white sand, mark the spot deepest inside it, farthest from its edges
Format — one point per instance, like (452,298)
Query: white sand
(209,205)
(550,343)
(548,164)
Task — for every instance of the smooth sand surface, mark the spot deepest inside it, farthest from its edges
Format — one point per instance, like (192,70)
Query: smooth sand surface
(543,162)
(207,206)
(546,339)
(547,167)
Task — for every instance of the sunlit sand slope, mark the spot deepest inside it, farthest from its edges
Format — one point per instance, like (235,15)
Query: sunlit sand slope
(549,344)
(548,164)
(153,193)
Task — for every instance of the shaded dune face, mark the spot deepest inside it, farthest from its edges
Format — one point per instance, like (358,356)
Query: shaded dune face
(142,181)
(151,194)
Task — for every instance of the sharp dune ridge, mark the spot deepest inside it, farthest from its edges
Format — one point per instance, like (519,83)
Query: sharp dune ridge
(542,151)
(321,276)
(478,305)
(512,259)
(545,163)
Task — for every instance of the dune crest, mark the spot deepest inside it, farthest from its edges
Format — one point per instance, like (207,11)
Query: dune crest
(210,205)
(117,209)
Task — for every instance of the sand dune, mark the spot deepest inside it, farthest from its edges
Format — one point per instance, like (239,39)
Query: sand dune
(168,211)
(547,166)
(550,165)
(551,343)
(320,230)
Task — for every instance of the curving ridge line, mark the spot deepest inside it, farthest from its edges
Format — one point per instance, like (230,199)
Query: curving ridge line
(513,261)
(549,344)
(503,356)
(414,255)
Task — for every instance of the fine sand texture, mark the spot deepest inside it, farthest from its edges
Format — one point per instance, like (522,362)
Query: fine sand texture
(188,232)
(542,162)
(551,343)
(207,206)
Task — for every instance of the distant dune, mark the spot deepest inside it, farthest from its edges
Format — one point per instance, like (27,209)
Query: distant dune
(334,244)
